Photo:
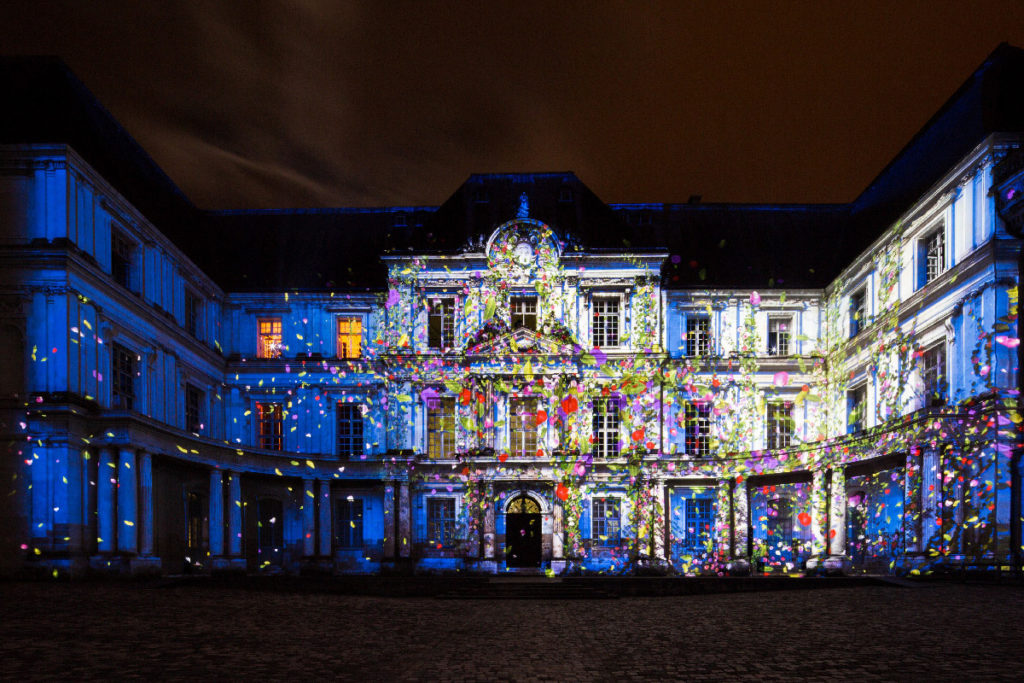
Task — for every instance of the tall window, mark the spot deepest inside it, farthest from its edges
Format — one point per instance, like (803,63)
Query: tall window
(698,523)
(606,427)
(192,312)
(441,323)
(523,427)
(270,425)
(605,526)
(441,521)
(780,424)
(441,427)
(193,409)
(697,427)
(122,393)
(857,312)
(856,407)
(524,312)
(121,250)
(348,522)
(350,337)
(269,338)
(606,322)
(778,336)
(933,374)
(780,521)
(350,429)
(931,252)
(698,336)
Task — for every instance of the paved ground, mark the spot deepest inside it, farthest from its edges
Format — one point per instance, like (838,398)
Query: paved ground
(935,632)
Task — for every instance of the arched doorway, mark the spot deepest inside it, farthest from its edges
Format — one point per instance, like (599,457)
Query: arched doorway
(522,532)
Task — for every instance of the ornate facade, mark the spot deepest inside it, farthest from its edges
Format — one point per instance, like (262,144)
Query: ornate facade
(522,379)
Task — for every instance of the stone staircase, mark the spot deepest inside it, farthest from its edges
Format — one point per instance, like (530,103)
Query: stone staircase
(527,588)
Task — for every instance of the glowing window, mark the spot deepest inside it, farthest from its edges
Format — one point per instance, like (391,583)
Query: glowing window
(122,392)
(348,523)
(606,427)
(269,338)
(350,429)
(778,336)
(523,427)
(605,522)
(350,337)
(270,425)
(441,521)
(441,427)
(780,424)
(698,336)
(441,323)
(605,330)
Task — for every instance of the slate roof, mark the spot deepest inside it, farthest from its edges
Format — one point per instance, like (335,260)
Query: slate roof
(717,245)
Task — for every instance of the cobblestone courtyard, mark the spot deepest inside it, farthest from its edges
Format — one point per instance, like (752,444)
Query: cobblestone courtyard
(937,632)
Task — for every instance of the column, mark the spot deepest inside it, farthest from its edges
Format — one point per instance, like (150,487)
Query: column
(326,528)
(404,521)
(308,519)
(106,476)
(389,520)
(837,513)
(127,503)
(216,514)
(234,514)
(658,517)
(740,520)
(931,494)
(145,503)
(723,520)
(557,528)
(818,513)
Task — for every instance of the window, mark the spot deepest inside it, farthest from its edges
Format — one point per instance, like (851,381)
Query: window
(523,427)
(350,429)
(441,324)
(780,522)
(931,255)
(193,409)
(441,521)
(605,522)
(270,425)
(192,311)
(780,424)
(698,523)
(524,312)
(350,337)
(606,322)
(606,427)
(121,250)
(697,427)
(933,375)
(698,336)
(857,312)
(856,406)
(269,342)
(778,336)
(348,522)
(441,427)
(122,393)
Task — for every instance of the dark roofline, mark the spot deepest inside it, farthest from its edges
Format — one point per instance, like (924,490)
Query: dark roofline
(329,211)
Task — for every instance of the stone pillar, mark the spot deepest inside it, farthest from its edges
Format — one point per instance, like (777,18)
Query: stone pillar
(837,513)
(404,521)
(818,513)
(216,514)
(557,531)
(658,517)
(308,519)
(741,520)
(234,514)
(723,520)
(326,528)
(931,495)
(389,520)
(145,504)
(106,478)
(127,503)
(489,522)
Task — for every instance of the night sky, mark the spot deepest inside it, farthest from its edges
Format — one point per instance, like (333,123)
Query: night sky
(329,103)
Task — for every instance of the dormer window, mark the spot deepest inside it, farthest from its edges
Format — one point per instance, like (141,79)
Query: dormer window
(524,312)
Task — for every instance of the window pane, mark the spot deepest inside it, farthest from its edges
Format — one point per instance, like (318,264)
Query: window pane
(698,336)
(441,427)
(780,425)
(778,336)
(270,425)
(350,429)
(350,336)
(606,427)
(441,324)
(524,312)
(606,322)
(348,523)
(123,387)
(441,521)
(523,427)
(697,428)
(269,341)
(605,522)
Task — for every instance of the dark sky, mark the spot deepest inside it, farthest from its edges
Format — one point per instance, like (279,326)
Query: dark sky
(328,103)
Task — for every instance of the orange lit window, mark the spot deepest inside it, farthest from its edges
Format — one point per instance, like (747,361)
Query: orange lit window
(350,335)
(269,342)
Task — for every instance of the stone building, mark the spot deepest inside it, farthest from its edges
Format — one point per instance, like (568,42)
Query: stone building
(524,378)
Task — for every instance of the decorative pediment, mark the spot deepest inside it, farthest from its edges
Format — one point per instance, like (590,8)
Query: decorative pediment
(520,341)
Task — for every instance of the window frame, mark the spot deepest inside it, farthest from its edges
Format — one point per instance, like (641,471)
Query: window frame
(608,446)
(858,311)
(445,324)
(272,439)
(934,390)
(193,312)
(523,424)
(350,414)
(122,258)
(694,540)
(600,522)
(600,321)
(694,345)
(441,529)
(525,315)
(123,388)
(697,428)
(265,350)
(856,398)
(194,397)
(341,349)
(780,424)
(783,338)
(930,269)
(441,432)
(349,522)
